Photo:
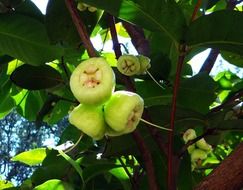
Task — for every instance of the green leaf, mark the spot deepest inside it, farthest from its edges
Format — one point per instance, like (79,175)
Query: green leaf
(75,165)
(154,15)
(197,93)
(30,103)
(60,26)
(7,102)
(96,169)
(221,29)
(31,157)
(5,184)
(28,8)
(54,184)
(25,38)
(36,77)
(232,58)
(185,176)
(59,111)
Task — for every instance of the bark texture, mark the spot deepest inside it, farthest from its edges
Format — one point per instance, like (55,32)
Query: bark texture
(228,175)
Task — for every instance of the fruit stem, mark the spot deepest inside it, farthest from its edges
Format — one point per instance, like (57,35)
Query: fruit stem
(151,76)
(72,147)
(154,125)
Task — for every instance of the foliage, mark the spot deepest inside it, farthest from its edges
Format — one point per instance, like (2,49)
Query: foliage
(39,52)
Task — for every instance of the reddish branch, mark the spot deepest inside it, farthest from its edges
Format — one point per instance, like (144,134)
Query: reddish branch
(196,9)
(80,28)
(138,38)
(228,175)
(144,150)
(170,177)
(142,46)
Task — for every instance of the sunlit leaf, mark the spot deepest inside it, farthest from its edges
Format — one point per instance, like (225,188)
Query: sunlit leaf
(5,184)
(54,184)
(31,157)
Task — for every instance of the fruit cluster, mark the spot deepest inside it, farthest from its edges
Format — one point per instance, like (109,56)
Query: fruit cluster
(133,65)
(199,150)
(83,7)
(101,110)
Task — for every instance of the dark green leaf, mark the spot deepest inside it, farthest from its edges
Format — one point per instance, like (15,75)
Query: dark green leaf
(197,93)
(233,58)
(60,26)
(28,8)
(163,16)
(25,38)
(185,175)
(36,77)
(221,29)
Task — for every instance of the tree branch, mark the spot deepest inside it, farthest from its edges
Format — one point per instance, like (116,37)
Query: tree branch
(139,41)
(80,28)
(209,62)
(141,44)
(228,175)
(144,150)
(170,172)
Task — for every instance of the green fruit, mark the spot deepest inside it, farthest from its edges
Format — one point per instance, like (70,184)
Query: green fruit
(191,148)
(190,134)
(198,154)
(81,6)
(123,111)
(128,65)
(144,64)
(92,9)
(112,133)
(89,119)
(93,81)
(202,144)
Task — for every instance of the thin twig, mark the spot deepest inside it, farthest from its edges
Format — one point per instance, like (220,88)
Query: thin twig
(80,28)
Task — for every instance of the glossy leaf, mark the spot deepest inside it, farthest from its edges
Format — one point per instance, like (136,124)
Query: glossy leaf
(25,38)
(152,15)
(36,77)
(31,157)
(221,29)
